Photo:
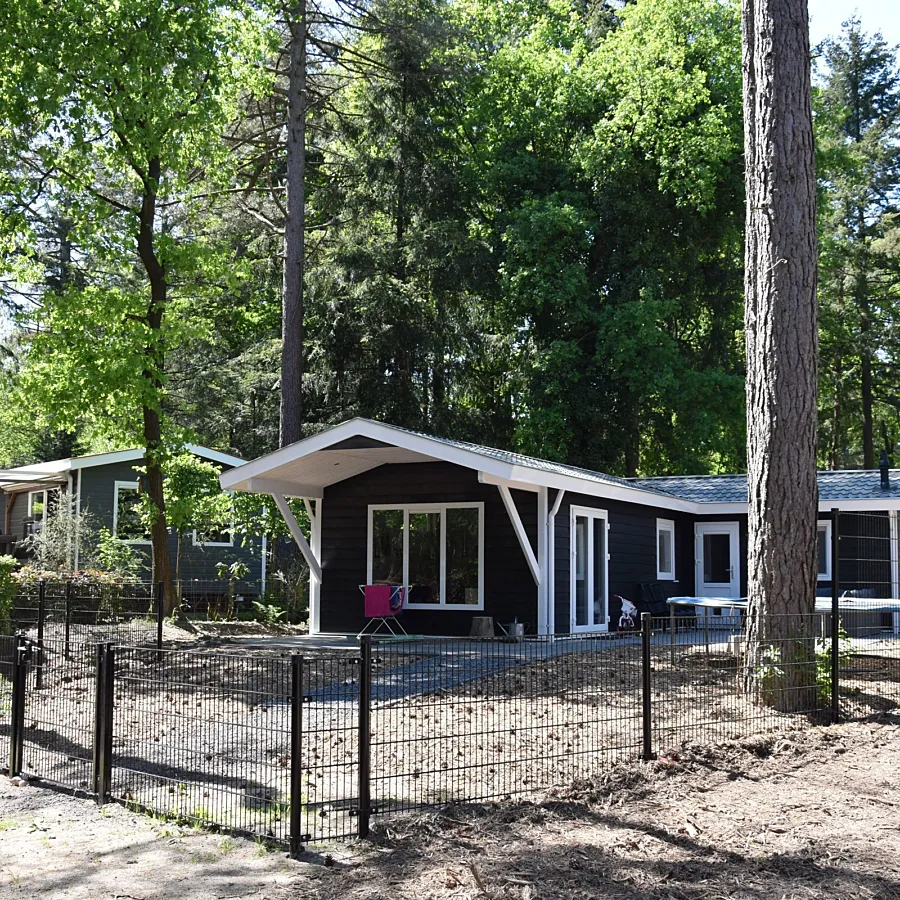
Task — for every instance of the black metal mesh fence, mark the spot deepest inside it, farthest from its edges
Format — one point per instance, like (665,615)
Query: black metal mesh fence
(237,741)
(329,747)
(457,721)
(7,655)
(78,613)
(203,737)
(60,704)
(715,679)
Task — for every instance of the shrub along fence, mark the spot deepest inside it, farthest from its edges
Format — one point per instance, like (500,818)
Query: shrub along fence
(304,748)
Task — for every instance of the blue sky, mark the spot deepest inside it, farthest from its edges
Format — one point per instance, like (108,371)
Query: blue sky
(826,17)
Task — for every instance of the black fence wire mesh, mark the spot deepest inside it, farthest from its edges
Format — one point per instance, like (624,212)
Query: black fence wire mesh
(78,613)
(313,747)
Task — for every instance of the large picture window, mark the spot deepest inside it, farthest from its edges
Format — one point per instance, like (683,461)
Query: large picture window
(436,550)
(127,523)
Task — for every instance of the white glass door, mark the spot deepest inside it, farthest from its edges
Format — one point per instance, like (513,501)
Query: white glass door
(589,581)
(718,562)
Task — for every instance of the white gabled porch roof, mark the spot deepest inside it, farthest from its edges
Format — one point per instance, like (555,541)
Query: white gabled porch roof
(306,468)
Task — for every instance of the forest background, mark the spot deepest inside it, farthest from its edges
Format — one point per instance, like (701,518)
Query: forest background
(522,226)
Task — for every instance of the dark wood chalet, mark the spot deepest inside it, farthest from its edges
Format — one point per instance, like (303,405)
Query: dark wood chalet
(473,531)
(106,486)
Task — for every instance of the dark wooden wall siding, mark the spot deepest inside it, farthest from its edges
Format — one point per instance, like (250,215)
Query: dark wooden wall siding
(510,591)
(198,563)
(632,551)
(17,515)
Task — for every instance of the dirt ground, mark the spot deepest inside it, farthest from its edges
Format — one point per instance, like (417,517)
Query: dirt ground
(791,815)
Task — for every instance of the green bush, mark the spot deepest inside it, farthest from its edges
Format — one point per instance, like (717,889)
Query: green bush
(8,589)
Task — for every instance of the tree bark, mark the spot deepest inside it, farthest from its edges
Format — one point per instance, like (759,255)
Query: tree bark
(153,352)
(866,388)
(294,245)
(782,349)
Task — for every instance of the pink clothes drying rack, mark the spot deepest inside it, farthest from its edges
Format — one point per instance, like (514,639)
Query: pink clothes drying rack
(379,610)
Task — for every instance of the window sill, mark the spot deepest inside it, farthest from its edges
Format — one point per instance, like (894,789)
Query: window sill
(446,606)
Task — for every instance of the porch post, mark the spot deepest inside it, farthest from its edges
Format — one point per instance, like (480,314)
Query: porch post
(315,587)
(521,534)
(895,567)
(315,570)
(551,562)
(543,587)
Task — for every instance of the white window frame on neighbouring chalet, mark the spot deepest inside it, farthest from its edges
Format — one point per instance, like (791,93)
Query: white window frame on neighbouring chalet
(127,486)
(441,508)
(46,499)
(665,526)
(824,525)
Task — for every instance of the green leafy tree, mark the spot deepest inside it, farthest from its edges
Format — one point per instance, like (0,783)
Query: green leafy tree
(858,134)
(118,107)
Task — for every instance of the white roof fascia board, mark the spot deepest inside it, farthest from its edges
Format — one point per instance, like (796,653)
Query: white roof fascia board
(603,489)
(238,478)
(106,459)
(225,459)
(490,471)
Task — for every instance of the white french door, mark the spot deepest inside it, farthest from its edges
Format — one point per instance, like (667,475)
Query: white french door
(718,561)
(589,584)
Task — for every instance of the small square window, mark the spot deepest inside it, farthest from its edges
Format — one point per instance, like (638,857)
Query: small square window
(665,549)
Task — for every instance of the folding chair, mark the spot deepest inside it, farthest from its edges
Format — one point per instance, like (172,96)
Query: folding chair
(383,603)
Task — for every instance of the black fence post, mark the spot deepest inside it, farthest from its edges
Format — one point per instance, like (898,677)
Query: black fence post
(99,708)
(835,614)
(160,615)
(297,836)
(109,675)
(42,611)
(646,712)
(103,722)
(365,734)
(17,712)
(68,624)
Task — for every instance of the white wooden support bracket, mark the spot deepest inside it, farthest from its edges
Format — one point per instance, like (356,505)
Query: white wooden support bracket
(521,534)
(294,527)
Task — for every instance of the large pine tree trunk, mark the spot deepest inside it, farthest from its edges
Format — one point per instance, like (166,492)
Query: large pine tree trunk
(782,346)
(294,245)
(156,275)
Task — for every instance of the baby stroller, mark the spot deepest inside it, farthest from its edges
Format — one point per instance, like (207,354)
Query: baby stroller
(629,614)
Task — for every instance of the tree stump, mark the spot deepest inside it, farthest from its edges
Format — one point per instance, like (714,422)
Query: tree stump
(482,627)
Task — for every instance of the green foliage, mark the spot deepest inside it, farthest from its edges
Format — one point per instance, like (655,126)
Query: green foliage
(537,233)
(268,613)
(857,134)
(117,557)
(53,544)
(823,661)
(8,588)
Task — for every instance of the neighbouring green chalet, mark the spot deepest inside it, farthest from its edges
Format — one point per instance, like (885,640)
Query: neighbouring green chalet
(106,485)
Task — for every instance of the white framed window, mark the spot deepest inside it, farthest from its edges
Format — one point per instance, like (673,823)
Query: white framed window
(214,538)
(37,505)
(435,549)
(665,550)
(824,551)
(127,523)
